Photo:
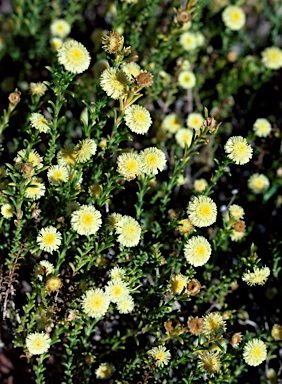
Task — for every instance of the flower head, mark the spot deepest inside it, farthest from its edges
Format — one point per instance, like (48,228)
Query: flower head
(56,43)
(238,150)
(195,120)
(153,160)
(60,28)
(84,150)
(112,42)
(37,89)
(213,323)
(74,56)
(185,226)
(54,283)
(254,352)
(38,343)
(195,325)
(233,17)
(49,239)
(262,127)
(209,363)
(236,339)
(258,183)
(200,185)
(184,137)
(114,82)
(86,220)
(126,305)
(117,290)
(236,211)
(57,174)
(95,302)
(276,332)
(160,354)
(117,273)
(67,155)
(197,251)
(186,79)
(202,211)
(38,121)
(7,211)
(44,268)
(137,119)
(172,123)
(272,58)
(193,287)
(257,277)
(104,371)
(131,69)
(129,165)
(188,41)
(35,189)
(129,231)
(33,158)
(177,283)
(144,79)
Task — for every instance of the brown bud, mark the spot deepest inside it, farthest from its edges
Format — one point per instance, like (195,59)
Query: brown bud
(15,97)
(184,16)
(144,79)
(239,226)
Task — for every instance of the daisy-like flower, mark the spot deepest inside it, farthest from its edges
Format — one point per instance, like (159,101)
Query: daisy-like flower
(184,137)
(254,352)
(117,290)
(104,371)
(112,42)
(84,150)
(114,82)
(86,220)
(262,127)
(200,185)
(188,41)
(35,189)
(186,79)
(117,273)
(153,160)
(160,354)
(7,210)
(44,268)
(74,56)
(233,17)
(237,235)
(125,305)
(209,363)
(200,39)
(60,28)
(38,121)
(272,58)
(49,239)
(56,43)
(33,158)
(195,325)
(38,343)
(95,302)
(257,277)
(57,174)
(37,89)
(195,120)
(213,323)
(137,119)
(131,69)
(177,283)
(202,211)
(276,332)
(67,155)
(236,211)
(112,221)
(129,231)
(197,251)
(54,283)
(258,183)
(238,150)
(172,123)
(185,226)
(129,165)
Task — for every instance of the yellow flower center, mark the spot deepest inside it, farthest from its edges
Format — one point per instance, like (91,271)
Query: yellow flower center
(87,219)
(204,210)
(257,353)
(76,55)
(152,160)
(200,250)
(258,183)
(58,175)
(139,116)
(235,16)
(96,302)
(49,238)
(132,165)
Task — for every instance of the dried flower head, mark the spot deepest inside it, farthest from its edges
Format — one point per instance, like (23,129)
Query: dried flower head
(236,339)
(239,226)
(15,97)
(54,283)
(276,332)
(112,42)
(171,324)
(193,287)
(254,352)
(37,89)
(195,325)
(74,56)
(144,79)
(185,226)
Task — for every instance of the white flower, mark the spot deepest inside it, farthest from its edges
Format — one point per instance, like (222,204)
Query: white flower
(74,56)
